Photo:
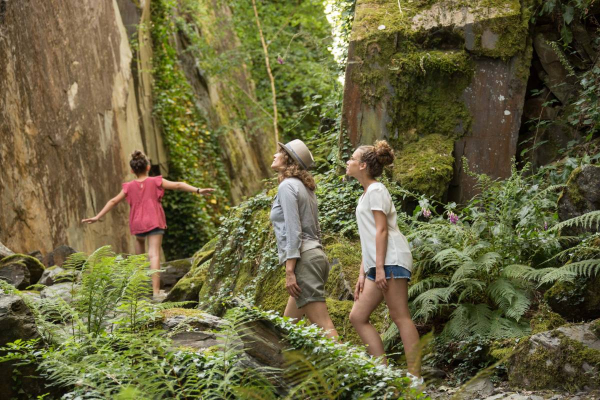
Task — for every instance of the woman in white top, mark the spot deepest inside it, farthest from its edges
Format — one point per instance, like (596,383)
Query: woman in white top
(386,258)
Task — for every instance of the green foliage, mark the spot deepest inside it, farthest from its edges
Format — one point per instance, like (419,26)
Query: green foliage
(326,369)
(113,352)
(299,37)
(463,266)
(337,203)
(566,11)
(193,148)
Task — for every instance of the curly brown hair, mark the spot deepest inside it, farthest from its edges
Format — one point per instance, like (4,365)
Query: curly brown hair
(377,157)
(293,170)
(139,162)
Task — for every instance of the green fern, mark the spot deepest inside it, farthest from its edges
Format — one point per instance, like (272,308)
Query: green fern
(589,220)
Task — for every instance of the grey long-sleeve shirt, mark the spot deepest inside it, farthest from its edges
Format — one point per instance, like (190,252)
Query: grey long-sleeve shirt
(295,219)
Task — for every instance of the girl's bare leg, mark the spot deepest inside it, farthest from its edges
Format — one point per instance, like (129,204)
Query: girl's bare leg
(396,298)
(154,243)
(140,245)
(368,301)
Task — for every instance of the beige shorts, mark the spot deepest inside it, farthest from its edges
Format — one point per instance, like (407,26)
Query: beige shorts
(312,271)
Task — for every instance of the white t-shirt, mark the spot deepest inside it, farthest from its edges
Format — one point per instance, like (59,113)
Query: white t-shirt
(378,198)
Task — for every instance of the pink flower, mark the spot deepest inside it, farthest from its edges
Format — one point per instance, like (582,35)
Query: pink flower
(427,213)
(453,218)
(545,225)
(280,60)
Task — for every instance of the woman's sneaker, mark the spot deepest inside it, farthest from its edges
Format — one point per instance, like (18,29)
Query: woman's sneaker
(416,382)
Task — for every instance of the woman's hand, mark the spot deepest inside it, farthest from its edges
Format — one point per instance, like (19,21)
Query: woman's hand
(90,220)
(360,284)
(206,192)
(380,280)
(291,285)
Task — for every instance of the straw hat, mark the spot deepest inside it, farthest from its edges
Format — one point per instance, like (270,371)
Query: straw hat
(299,152)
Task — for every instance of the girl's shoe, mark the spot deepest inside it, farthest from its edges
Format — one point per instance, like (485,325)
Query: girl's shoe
(416,382)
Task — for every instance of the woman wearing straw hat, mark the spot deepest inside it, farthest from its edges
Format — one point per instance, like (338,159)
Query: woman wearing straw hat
(295,221)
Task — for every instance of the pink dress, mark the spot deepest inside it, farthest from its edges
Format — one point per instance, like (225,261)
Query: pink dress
(144,198)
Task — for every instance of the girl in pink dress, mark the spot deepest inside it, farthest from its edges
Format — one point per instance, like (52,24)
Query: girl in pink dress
(146,215)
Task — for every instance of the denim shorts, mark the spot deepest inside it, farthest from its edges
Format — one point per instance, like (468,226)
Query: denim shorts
(395,271)
(155,231)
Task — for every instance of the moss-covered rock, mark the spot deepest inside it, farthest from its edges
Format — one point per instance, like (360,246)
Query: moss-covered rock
(345,258)
(188,287)
(35,267)
(576,301)
(426,166)
(567,358)
(456,69)
(581,196)
(544,320)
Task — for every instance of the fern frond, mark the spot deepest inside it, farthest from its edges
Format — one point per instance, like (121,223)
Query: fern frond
(568,272)
(516,271)
(427,303)
(506,328)
(466,270)
(426,284)
(586,221)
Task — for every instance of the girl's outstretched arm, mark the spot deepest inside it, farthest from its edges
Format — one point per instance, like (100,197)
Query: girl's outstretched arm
(109,205)
(184,187)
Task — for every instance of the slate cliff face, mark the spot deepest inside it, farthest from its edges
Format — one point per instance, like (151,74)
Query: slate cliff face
(68,121)
(74,103)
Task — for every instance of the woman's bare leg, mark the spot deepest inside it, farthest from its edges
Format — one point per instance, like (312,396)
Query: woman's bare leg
(292,311)
(154,243)
(368,301)
(140,245)
(318,314)
(396,298)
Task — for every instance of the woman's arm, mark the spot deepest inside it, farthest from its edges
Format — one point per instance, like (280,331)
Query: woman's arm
(360,283)
(109,206)
(184,187)
(381,239)
(288,199)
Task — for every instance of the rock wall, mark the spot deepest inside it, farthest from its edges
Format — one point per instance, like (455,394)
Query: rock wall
(68,121)
(75,101)
(453,69)
(226,98)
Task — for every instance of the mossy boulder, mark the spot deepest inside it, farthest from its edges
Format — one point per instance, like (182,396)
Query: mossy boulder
(581,196)
(426,166)
(576,301)
(35,267)
(188,287)
(567,358)
(173,271)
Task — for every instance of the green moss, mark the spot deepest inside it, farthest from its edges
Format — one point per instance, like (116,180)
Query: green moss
(596,328)
(541,368)
(426,166)
(185,312)
(345,257)
(573,191)
(545,320)
(35,267)
(188,288)
(271,293)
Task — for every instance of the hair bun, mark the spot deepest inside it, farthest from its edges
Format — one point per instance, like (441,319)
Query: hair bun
(383,152)
(137,155)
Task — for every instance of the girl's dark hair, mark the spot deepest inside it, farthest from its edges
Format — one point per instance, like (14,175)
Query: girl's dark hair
(376,157)
(139,162)
(292,169)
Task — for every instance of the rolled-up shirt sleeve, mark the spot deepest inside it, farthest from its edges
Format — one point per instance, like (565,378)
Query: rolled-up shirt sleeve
(288,199)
